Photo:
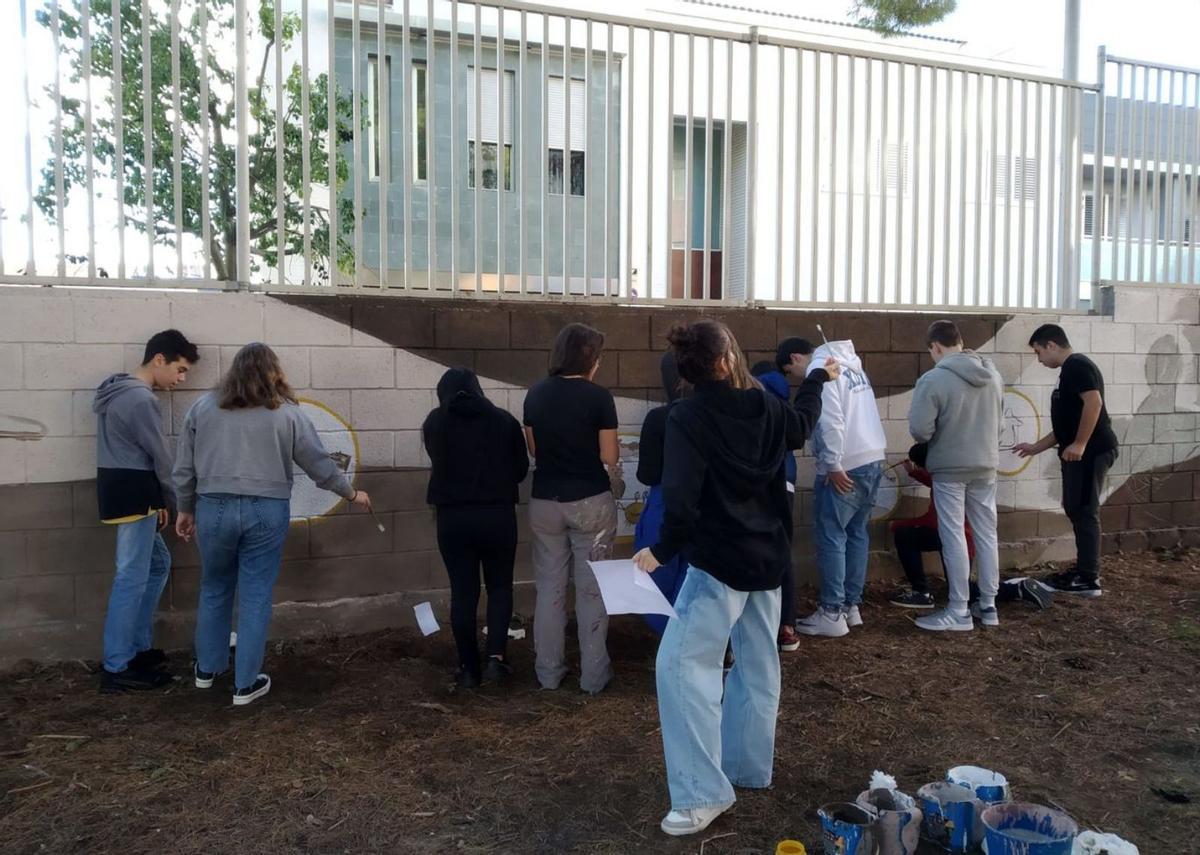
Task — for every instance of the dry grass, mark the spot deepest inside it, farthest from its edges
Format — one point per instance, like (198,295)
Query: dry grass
(364,746)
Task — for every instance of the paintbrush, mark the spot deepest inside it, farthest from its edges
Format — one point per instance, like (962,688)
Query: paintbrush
(378,524)
(822,333)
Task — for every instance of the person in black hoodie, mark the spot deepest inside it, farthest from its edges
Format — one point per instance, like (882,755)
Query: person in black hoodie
(727,514)
(478,456)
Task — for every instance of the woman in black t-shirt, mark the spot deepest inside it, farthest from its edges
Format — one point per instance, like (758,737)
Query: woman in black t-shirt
(571,429)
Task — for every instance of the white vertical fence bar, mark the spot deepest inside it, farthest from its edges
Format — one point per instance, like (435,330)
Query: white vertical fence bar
(1020,296)
(332,145)
(1195,189)
(504,166)
(1169,241)
(356,87)
(280,118)
(431,137)
(587,160)
(869,110)
(566,158)
(779,181)
(242,109)
(976,246)
(1118,173)
(901,181)
(608,158)
(687,169)
(176,140)
(914,222)
(706,284)
(1009,183)
(1098,194)
(627,161)
(383,135)
(544,154)
(1037,195)
(476,165)
(931,225)
(431,147)
(1156,184)
(849,234)
(205,188)
(59,191)
(520,160)
(727,160)
(1131,174)
(670,147)
(961,284)
(797,184)
(407,99)
(648,284)
(751,162)
(305,145)
(88,142)
(30,263)
(1145,177)
(833,161)
(118,132)
(147,138)
(814,289)
(1077,197)
(992,170)
(882,179)
(1054,230)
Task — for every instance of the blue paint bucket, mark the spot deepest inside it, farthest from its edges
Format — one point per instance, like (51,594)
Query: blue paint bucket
(952,816)
(989,786)
(847,829)
(1016,828)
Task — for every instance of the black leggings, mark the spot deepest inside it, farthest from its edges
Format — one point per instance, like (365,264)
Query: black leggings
(471,536)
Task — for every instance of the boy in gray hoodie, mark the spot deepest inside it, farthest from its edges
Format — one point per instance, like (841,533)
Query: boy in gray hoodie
(958,410)
(133,486)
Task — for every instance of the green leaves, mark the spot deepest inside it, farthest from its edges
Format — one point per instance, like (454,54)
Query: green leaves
(893,17)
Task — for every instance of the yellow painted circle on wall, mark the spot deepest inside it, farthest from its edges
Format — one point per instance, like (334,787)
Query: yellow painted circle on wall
(1022,423)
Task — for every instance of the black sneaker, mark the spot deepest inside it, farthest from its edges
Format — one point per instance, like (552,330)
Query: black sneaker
(204,679)
(496,670)
(148,660)
(912,600)
(1038,593)
(466,679)
(1073,582)
(132,680)
(249,695)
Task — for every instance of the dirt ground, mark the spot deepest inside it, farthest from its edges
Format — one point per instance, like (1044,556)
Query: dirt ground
(364,745)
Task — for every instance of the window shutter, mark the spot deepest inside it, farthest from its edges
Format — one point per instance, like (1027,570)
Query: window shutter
(554,114)
(489,107)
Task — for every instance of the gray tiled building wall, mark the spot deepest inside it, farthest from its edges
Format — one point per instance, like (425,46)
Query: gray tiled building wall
(530,164)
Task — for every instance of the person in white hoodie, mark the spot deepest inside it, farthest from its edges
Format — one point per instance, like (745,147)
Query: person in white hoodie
(958,409)
(849,447)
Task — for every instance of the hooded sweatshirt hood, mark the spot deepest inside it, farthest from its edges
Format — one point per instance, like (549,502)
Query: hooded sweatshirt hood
(957,408)
(849,433)
(113,388)
(459,392)
(969,366)
(748,445)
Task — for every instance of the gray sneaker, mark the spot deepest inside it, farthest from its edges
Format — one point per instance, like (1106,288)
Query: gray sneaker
(987,617)
(946,621)
(830,624)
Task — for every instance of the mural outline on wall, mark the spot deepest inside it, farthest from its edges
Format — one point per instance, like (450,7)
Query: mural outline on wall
(628,491)
(1019,413)
(308,501)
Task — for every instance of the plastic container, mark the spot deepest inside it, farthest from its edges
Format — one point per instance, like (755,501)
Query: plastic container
(790,847)
(1018,828)
(952,816)
(897,822)
(991,787)
(847,829)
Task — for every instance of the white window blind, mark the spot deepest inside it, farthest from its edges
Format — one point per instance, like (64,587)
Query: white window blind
(554,111)
(489,107)
(891,168)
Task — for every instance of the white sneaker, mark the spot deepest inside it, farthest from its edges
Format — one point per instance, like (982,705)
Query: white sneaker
(691,820)
(853,617)
(946,620)
(987,617)
(824,623)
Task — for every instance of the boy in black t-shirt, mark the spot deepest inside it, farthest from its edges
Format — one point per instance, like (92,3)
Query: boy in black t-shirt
(1087,448)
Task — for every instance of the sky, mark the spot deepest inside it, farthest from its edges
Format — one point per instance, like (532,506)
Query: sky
(1024,32)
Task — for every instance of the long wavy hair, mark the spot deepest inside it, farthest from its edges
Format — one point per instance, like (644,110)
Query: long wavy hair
(255,379)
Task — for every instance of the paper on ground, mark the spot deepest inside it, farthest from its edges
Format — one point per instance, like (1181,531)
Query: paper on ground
(627,590)
(425,618)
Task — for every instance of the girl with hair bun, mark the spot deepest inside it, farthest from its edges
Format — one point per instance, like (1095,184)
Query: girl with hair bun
(726,513)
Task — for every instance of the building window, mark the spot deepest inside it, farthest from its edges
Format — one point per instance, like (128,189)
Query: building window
(556,119)
(891,168)
(420,92)
(376,123)
(1089,213)
(483,137)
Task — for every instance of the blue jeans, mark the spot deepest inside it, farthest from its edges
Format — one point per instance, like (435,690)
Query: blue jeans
(143,564)
(840,527)
(712,744)
(241,544)
(668,577)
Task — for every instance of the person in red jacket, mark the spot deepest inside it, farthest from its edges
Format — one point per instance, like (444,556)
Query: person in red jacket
(913,538)
(918,535)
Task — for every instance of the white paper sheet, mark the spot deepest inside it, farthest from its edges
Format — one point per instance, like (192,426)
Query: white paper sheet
(425,618)
(627,590)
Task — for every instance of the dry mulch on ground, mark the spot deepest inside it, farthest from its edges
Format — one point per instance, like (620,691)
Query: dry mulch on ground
(363,745)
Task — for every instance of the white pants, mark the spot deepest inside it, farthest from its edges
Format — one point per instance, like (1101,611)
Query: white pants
(974,501)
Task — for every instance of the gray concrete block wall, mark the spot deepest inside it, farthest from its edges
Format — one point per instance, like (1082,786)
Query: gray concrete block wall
(375,361)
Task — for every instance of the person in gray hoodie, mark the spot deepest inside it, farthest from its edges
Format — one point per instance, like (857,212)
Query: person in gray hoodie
(233,476)
(958,410)
(133,488)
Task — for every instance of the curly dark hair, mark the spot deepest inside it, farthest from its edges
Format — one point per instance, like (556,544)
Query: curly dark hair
(701,345)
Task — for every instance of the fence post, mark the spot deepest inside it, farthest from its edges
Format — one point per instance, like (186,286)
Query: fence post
(751,165)
(242,106)
(1098,196)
